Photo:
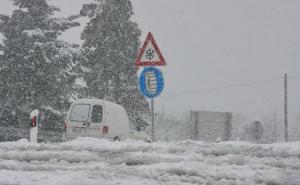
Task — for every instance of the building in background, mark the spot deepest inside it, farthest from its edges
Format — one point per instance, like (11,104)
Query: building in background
(208,125)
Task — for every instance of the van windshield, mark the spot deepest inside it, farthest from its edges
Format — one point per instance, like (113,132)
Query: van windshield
(80,112)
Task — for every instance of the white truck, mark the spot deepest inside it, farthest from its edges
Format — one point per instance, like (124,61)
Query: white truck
(101,119)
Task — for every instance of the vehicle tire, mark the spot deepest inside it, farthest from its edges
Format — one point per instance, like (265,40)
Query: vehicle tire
(116,138)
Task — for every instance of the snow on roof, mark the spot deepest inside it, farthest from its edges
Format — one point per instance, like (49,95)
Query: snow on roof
(57,112)
(100,101)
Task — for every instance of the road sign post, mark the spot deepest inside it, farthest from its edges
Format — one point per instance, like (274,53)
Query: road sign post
(152,119)
(151,81)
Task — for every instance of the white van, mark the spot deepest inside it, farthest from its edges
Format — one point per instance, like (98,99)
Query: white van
(99,118)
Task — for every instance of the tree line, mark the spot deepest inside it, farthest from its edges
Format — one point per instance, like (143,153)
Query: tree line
(40,71)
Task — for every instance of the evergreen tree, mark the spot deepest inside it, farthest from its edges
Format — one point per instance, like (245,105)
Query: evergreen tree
(111,42)
(35,71)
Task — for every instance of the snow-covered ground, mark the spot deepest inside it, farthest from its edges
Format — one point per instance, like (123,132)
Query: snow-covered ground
(95,161)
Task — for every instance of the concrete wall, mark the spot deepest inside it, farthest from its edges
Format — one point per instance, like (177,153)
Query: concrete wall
(208,125)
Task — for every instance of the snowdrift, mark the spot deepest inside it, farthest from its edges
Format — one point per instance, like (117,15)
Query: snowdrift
(98,161)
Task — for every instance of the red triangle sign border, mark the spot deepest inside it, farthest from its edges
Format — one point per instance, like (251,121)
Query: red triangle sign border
(161,61)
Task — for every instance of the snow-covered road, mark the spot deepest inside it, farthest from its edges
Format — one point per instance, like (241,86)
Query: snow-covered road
(94,161)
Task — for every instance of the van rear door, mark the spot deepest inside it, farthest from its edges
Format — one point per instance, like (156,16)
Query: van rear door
(79,119)
(94,127)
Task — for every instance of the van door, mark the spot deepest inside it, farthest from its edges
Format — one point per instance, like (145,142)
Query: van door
(79,120)
(94,127)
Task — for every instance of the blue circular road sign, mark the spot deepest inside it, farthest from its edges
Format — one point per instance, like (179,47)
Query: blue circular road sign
(151,82)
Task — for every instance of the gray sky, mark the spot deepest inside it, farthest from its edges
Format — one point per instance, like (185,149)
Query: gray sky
(211,43)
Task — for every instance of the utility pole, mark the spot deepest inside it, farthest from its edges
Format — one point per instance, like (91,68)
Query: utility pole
(286,137)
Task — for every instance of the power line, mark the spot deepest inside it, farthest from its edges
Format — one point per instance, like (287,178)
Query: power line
(294,77)
(222,87)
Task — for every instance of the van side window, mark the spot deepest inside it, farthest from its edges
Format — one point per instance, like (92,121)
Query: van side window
(97,113)
(80,112)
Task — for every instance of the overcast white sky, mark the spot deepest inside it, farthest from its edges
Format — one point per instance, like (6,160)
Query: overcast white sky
(211,43)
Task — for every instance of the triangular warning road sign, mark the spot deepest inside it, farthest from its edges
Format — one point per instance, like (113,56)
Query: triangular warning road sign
(150,54)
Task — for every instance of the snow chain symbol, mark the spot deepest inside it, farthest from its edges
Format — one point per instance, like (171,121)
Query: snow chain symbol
(150,54)
(151,82)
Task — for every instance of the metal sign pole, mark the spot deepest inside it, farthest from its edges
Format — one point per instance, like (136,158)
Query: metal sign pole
(152,114)
(286,137)
(151,83)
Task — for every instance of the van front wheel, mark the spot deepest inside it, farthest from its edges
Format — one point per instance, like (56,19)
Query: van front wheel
(116,138)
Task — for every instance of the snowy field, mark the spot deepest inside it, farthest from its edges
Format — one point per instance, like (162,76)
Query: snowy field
(100,162)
